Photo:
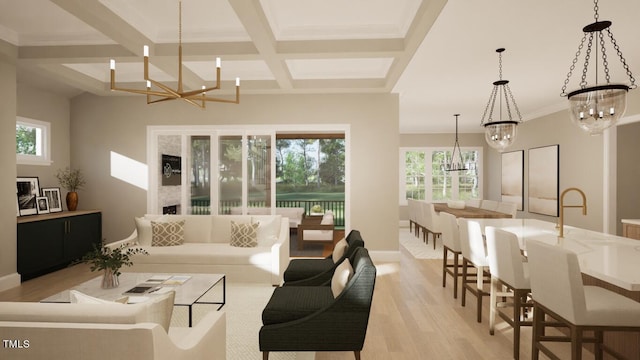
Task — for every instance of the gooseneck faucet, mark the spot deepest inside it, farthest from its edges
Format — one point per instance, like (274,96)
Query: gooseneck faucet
(563,206)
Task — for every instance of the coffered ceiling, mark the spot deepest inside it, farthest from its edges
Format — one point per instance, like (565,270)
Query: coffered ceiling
(438,55)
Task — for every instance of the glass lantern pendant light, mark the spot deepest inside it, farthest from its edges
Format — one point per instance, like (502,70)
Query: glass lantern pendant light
(501,132)
(598,107)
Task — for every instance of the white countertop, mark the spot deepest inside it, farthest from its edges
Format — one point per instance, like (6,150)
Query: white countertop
(631,221)
(610,258)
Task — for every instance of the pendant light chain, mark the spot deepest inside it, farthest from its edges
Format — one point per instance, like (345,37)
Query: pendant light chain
(589,30)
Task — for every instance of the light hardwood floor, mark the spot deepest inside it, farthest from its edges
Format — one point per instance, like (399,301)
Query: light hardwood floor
(412,316)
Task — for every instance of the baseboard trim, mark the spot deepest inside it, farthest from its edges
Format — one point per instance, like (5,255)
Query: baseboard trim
(9,281)
(393,256)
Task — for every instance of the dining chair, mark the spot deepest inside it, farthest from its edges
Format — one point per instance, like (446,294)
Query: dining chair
(473,255)
(414,215)
(489,205)
(508,208)
(473,202)
(451,244)
(510,272)
(431,222)
(558,292)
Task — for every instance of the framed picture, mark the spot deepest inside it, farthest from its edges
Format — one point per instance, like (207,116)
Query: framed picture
(544,176)
(171,168)
(43,204)
(28,190)
(53,195)
(512,188)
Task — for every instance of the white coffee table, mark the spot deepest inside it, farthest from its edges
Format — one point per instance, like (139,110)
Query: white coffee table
(189,293)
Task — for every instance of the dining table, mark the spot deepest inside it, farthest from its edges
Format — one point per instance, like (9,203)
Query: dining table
(608,261)
(469,212)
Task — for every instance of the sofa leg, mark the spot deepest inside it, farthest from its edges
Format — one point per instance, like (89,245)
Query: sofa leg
(265,355)
(357,354)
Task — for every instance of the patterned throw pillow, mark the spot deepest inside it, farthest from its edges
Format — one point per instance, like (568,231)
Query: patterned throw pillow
(167,233)
(244,235)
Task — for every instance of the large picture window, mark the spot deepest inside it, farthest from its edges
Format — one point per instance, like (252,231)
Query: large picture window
(422,175)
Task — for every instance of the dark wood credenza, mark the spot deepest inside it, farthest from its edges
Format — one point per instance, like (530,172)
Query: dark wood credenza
(52,241)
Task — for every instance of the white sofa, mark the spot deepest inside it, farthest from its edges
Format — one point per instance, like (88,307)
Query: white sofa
(34,331)
(207,249)
(294,214)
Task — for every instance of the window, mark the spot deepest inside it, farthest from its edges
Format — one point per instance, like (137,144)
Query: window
(32,142)
(423,176)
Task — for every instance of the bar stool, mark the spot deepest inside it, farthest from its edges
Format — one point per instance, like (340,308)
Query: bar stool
(473,254)
(558,292)
(450,244)
(508,270)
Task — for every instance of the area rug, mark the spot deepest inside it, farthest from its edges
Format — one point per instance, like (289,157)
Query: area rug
(244,304)
(416,247)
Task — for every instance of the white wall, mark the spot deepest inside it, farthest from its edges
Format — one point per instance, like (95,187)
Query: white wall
(100,125)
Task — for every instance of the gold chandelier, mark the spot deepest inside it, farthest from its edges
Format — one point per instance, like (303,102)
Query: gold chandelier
(198,98)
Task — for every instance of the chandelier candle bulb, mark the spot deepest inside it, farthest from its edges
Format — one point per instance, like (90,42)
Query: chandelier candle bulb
(112,64)
(218,62)
(237,81)
(145,51)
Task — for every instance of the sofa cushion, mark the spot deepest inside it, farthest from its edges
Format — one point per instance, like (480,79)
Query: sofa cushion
(206,254)
(197,228)
(268,229)
(170,233)
(290,303)
(244,235)
(143,228)
(340,277)
(221,226)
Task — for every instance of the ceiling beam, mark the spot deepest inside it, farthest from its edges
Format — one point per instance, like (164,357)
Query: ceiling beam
(257,26)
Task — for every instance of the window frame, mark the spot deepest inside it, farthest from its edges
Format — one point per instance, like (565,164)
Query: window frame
(428,171)
(45,142)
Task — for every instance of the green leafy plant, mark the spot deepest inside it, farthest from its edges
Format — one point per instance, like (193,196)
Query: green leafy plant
(317,209)
(71,179)
(111,258)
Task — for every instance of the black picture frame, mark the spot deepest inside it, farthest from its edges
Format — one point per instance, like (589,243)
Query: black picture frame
(28,190)
(43,204)
(171,169)
(54,197)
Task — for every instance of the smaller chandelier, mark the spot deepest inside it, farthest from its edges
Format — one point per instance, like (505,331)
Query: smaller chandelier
(500,133)
(197,97)
(598,107)
(456,163)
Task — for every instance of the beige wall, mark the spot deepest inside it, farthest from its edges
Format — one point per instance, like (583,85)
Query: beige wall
(8,54)
(581,166)
(54,109)
(628,173)
(100,125)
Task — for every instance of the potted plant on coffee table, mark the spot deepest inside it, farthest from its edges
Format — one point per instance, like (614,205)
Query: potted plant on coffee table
(110,261)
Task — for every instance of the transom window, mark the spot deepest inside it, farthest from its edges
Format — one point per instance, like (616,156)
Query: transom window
(33,146)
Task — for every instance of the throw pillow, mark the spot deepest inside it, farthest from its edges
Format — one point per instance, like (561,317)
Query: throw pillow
(143,228)
(243,235)
(76,297)
(167,233)
(340,277)
(339,250)
(267,231)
